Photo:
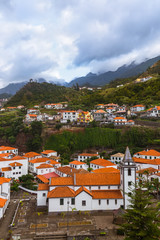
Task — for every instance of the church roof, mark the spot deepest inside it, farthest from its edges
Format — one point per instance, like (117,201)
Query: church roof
(127,156)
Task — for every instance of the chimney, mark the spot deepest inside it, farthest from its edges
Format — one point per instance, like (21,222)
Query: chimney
(74,179)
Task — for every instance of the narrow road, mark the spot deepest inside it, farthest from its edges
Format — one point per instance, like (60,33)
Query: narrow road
(7,219)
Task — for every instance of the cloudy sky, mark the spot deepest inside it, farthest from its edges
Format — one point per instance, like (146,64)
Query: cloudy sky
(65,39)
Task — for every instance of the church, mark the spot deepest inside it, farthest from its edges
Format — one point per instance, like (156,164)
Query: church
(90,191)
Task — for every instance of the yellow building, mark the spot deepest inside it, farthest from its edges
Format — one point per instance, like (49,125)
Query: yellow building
(84,117)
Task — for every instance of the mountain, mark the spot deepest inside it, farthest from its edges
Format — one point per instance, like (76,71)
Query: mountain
(12,88)
(124,71)
(35,93)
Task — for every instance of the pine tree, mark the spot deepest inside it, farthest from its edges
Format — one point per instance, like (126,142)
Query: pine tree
(142,217)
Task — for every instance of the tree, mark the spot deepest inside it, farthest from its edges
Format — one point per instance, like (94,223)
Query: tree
(141,218)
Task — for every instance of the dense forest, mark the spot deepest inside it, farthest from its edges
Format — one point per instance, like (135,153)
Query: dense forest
(36,93)
(136,138)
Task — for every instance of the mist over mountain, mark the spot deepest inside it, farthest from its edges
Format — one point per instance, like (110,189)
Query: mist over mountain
(124,71)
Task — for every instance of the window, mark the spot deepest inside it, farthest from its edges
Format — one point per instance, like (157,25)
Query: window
(129,194)
(13,173)
(129,183)
(99,187)
(73,201)
(61,201)
(129,172)
(99,202)
(16,172)
(115,201)
(19,167)
(108,187)
(83,203)
(13,167)
(44,194)
(107,201)
(19,172)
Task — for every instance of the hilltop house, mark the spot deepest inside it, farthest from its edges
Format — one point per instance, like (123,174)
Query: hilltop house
(84,156)
(137,108)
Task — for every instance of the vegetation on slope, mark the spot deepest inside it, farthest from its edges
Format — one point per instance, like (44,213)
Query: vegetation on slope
(68,142)
(35,93)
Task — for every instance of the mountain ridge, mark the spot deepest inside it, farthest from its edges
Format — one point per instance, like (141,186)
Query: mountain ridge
(124,71)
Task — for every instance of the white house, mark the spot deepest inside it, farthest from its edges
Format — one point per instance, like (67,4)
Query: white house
(84,156)
(120,121)
(101,163)
(33,164)
(146,173)
(147,154)
(32,155)
(78,165)
(5,149)
(14,167)
(90,191)
(4,194)
(69,116)
(137,108)
(142,163)
(154,112)
(44,168)
(117,158)
(49,153)
(33,111)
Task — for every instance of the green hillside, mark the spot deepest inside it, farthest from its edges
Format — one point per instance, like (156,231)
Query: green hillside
(35,93)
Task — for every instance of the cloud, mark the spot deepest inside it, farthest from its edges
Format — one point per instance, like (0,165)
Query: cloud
(66,39)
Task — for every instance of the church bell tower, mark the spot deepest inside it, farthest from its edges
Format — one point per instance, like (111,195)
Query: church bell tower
(128,176)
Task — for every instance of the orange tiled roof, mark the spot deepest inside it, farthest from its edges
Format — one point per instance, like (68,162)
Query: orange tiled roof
(88,179)
(81,189)
(32,115)
(107,194)
(77,163)
(147,161)
(63,192)
(40,160)
(62,181)
(6,169)
(4,148)
(31,154)
(48,151)
(44,166)
(67,170)
(139,105)
(4,180)
(15,164)
(18,158)
(2,202)
(105,170)
(149,170)
(150,152)
(100,111)
(43,187)
(42,178)
(53,162)
(102,162)
(117,118)
(95,179)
